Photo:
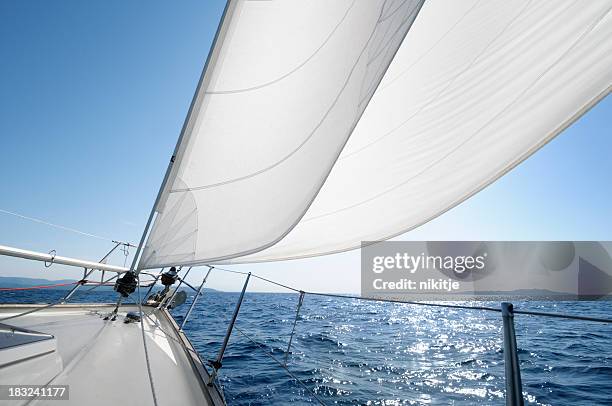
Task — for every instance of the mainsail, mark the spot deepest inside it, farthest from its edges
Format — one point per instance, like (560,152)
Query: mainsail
(475,88)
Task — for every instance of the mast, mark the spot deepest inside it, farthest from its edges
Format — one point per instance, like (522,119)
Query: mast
(196,100)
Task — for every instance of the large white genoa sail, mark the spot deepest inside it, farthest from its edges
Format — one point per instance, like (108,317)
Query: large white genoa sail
(475,88)
(285,85)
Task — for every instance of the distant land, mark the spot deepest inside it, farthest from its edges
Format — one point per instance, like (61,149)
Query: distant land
(21,282)
(539,294)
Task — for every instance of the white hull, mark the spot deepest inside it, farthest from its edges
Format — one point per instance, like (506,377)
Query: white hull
(103,362)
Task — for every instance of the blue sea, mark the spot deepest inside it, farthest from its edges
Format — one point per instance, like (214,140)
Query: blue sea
(356,352)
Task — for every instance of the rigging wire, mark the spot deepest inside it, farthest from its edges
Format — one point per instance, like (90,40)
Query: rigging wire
(451,306)
(166,333)
(277,283)
(268,353)
(80,282)
(264,349)
(102,283)
(291,374)
(297,315)
(74,230)
(78,293)
(125,249)
(562,316)
(144,341)
(258,277)
(37,309)
(40,286)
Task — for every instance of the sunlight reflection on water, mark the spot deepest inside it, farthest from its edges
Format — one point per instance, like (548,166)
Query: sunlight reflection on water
(353,352)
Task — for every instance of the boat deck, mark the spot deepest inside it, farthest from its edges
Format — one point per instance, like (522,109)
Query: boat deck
(103,362)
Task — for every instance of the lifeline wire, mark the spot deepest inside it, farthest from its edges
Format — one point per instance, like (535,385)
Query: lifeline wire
(291,374)
(80,292)
(302,293)
(46,306)
(451,306)
(39,286)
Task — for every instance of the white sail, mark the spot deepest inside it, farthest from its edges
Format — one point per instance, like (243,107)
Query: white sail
(475,88)
(283,90)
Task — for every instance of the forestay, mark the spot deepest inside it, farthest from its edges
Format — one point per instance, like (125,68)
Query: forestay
(475,88)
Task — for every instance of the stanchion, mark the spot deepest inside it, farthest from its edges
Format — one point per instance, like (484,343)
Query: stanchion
(297,314)
(514,387)
(216,364)
(195,299)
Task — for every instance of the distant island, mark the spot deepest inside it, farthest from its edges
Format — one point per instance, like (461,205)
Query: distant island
(22,282)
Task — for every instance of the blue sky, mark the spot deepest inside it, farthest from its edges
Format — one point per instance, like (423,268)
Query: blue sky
(93,96)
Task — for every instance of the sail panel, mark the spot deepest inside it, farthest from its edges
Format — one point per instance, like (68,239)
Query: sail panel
(476,88)
(285,85)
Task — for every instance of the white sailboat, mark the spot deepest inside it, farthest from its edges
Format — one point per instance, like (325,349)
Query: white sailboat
(316,126)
